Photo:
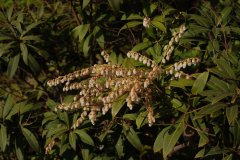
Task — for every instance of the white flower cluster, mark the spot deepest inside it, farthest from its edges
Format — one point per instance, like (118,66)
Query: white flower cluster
(181,65)
(49,146)
(105,56)
(146,22)
(168,49)
(141,58)
(69,77)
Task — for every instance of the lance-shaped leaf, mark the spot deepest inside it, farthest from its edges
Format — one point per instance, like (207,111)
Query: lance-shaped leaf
(72,140)
(158,144)
(32,140)
(118,104)
(3,137)
(85,138)
(172,136)
(232,113)
(132,137)
(12,65)
(200,83)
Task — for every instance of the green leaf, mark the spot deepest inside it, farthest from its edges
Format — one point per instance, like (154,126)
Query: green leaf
(24,52)
(159,25)
(200,154)
(179,105)
(3,138)
(119,147)
(232,113)
(235,131)
(85,3)
(130,116)
(203,139)
(172,136)
(72,140)
(141,46)
(209,109)
(13,65)
(159,18)
(30,27)
(31,139)
(55,130)
(181,83)
(118,104)
(85,138)
(228,157)
(33,64)
(31,38)
(201,20)
(200,83)
(225,67)
(140,119)
(113,58)
(8,105)
(220,85)
(131,24)
(9,13)
(99,36)
(217,151)
(115,4)
(19,152)
(86,45)
(225,14)
(80,31)
(158,144)
(134,16)
(15,109)
(132,137)
(64,117)
(85,154)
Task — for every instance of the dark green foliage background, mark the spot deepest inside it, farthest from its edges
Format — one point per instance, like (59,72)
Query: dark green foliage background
(40,40)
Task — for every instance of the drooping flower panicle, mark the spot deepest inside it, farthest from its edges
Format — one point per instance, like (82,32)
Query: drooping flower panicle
(101,85)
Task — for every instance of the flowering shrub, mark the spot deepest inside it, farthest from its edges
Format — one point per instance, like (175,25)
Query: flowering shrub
(119,79)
